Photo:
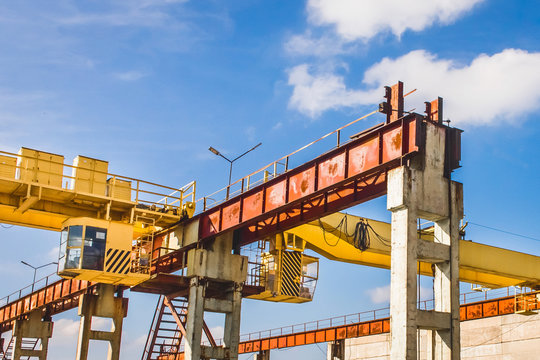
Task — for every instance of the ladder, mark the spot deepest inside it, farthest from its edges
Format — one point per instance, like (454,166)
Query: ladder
(165,334)
(27,344)
(525,301)
(164,341)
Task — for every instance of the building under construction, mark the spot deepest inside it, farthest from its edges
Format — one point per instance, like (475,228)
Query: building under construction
(249,240)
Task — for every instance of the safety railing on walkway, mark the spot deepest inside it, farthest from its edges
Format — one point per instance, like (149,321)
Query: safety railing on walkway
(51,172)
(27,290)
(271,170)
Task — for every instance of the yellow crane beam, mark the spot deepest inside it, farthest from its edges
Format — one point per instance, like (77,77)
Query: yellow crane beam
(480,264)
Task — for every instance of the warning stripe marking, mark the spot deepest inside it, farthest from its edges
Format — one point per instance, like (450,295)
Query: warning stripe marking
(118,261)
(292,267)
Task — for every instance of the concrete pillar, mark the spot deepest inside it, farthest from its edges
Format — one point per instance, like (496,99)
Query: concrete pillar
(33,328)
(420,190)
(231,336)
(216,282)
(403,284)
(194,320)
(106,305)
(446,280)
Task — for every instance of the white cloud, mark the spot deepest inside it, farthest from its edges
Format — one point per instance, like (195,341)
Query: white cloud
(314,94)
(364,19)
(324,46)
(250,132)
(491,89)
(130,75)
(380,295)
(146,13)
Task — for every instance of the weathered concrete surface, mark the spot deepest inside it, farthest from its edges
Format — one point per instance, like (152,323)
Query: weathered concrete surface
(505,337)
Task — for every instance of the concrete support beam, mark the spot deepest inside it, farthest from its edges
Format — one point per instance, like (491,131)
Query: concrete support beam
(211,268)
(420,190)
(32,328)
(432,320)
(446,277)
(432,252)
(403,285)
(106,305)
(194,320)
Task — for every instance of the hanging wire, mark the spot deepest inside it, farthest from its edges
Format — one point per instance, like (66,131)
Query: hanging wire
(360,238)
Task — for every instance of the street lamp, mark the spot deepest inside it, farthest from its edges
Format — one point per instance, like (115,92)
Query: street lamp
(216,152)
(36,269)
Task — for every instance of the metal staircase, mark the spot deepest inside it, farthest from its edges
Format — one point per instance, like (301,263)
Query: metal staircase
(27,344)
(164,341)
(166,331)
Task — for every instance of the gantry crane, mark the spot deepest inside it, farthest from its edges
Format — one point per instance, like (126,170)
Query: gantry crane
(126,232)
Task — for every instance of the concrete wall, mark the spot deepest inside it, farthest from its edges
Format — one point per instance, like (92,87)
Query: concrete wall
(505,337)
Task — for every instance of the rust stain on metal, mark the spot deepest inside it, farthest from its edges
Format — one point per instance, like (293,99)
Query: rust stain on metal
(275,196)
(396,141)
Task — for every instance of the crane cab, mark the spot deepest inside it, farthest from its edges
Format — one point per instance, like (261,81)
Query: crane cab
(101,251)
(287,274)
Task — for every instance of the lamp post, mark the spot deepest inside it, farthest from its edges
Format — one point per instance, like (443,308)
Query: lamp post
(216,152)
(36,269)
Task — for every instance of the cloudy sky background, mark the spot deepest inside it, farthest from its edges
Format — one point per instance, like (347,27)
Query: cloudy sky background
(149,85)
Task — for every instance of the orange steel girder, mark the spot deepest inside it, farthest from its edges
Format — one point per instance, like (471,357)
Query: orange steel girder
(472,311)
(352,173)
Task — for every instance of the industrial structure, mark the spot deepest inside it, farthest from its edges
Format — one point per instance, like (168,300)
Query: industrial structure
(119,233)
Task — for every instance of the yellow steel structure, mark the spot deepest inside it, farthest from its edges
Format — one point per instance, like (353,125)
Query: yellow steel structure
(287,274)
(101,251)
(480,264)
(37,189)
(107,221)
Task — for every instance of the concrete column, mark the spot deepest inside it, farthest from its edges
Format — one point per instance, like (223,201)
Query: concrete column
(231,336)
(421,190)
(106,305)
(216,282)
(403,284)
(33,328)
(446,279)
(194,320)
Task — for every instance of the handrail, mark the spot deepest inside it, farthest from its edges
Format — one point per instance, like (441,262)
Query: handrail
(175,197)
(273,165)
(21,293)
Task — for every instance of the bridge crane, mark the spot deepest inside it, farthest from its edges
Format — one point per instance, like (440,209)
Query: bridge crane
(119,232)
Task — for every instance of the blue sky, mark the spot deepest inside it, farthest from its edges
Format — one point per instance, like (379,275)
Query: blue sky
(149,85)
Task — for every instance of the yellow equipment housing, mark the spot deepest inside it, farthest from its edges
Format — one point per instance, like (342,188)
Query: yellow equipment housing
(287,274)
(102,251)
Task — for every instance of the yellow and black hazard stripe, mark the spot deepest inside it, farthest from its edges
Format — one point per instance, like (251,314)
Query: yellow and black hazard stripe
(291,271)
(118,261)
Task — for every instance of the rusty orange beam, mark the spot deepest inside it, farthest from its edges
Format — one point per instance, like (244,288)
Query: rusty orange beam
(55,298)
(472,311)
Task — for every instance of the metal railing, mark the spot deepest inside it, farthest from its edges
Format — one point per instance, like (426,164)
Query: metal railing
(146,194)
(267,172)
(27,290)
(376,314)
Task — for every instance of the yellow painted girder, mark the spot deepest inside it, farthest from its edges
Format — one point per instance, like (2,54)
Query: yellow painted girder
(479,263)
